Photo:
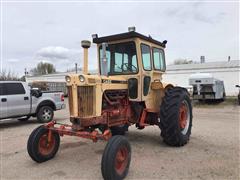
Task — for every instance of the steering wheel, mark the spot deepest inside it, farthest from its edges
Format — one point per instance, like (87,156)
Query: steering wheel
(129,67)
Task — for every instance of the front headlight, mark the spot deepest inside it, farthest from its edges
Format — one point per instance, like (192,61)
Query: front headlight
(81,78)
(68,78)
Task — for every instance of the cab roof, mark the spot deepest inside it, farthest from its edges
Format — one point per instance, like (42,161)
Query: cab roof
(127,35)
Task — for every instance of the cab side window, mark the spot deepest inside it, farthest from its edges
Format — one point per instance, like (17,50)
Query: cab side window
(158,59)
(2,90)
(14,88)
(146,57)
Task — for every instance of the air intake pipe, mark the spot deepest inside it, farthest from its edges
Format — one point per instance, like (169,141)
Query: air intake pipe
(85,44)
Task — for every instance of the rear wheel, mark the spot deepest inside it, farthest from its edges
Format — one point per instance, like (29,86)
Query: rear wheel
(116,158)
(176,117)
(39,147)
(45,114)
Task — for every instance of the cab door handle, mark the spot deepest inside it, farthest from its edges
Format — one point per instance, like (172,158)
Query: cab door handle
(4,99)
(26,98)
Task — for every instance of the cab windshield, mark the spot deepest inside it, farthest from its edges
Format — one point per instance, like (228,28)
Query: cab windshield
(121,58)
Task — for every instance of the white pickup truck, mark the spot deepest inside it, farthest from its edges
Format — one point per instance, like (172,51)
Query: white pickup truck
(18,100)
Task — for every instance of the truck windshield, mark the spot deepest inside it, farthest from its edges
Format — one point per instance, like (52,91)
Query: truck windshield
(121,58)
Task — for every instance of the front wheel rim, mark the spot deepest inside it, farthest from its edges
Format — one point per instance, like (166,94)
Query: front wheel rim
(44,146)
(184,117)
(121,160)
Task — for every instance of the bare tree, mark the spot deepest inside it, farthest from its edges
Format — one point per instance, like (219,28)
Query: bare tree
(43,68)
(8,76)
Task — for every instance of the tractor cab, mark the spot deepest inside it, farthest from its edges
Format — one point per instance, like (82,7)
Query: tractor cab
(139,59)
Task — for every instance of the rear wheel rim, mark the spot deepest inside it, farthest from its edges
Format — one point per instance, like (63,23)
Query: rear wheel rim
(121,160)
(44,146)
(47,114)
(184,117)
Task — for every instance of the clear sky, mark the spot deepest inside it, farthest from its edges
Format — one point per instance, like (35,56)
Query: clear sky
(52,31)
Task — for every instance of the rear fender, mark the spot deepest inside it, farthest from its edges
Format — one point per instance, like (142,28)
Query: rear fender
(46,103)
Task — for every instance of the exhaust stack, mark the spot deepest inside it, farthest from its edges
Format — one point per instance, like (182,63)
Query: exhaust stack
(85,44)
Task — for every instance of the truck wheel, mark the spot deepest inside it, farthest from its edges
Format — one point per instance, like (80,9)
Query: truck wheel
(176,117)
(116,158)
(119,130)
(45,114)
(38,146)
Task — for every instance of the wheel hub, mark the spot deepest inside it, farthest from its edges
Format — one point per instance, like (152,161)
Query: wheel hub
(184,117)
(46,114)
(46,147)
(121,160)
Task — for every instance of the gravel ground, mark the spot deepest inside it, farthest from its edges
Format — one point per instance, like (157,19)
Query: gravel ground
(212,153)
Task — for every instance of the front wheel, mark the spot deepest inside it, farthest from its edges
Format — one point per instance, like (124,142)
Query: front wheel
(40,147)
(176,117)
(116,158)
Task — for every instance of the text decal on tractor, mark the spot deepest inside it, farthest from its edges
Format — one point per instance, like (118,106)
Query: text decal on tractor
(128,90)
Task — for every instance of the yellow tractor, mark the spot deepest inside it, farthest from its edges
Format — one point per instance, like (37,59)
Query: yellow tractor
(128,90)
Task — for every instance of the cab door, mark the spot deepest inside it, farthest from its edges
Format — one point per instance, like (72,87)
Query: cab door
(3,102)
(147,69)
(18,99)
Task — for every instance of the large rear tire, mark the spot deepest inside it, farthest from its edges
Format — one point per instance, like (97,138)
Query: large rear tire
(39,148)
(176,117)
(116,158)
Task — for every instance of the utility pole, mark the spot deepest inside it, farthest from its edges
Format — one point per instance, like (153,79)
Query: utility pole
(25,72)
(76,67)
(25,75)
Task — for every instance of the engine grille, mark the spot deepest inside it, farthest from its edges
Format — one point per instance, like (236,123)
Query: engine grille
(86,101)
(70,99)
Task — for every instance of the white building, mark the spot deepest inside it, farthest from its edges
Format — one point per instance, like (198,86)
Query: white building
(228,71)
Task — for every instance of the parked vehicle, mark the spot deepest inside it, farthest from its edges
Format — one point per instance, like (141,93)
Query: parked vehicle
(18,100)
(128,90)
(206,87)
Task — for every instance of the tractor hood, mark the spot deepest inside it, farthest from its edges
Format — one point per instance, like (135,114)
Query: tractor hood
(82,79)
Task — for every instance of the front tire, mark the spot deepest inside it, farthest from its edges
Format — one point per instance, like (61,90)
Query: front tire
(176,117)
(45,114)
(116,158)
(38,146)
